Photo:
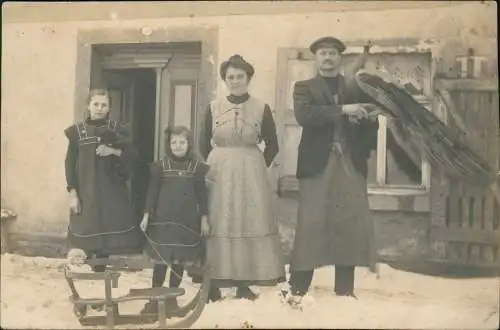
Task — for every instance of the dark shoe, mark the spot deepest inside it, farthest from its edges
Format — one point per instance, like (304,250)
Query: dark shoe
(346,294)
(246,293)
(173,309)
(171,306)
(214,295)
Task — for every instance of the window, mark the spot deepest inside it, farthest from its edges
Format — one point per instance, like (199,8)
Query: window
(183,103)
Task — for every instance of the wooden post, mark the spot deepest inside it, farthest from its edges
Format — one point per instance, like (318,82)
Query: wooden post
(110,310)
(492,202)
(162,314)
(159,72)
(439,192)
(382,151)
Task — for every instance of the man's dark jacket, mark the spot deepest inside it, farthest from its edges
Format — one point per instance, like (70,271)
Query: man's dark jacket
(315,109)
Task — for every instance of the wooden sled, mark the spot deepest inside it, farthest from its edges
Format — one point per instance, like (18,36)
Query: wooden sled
(114,267)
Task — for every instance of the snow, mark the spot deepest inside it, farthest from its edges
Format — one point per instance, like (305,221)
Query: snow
(34,294)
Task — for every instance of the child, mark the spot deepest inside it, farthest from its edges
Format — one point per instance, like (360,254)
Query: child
(176,210)
(101,218)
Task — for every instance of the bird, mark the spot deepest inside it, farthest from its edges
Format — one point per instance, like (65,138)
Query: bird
(424,131)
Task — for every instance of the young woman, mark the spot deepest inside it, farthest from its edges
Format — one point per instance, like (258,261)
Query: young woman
(176,211)
(98,160)
(243,247)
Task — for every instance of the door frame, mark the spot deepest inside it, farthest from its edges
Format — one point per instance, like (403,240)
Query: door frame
(207,85)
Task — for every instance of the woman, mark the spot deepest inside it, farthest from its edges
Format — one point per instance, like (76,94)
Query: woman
(243,247)
(98,160)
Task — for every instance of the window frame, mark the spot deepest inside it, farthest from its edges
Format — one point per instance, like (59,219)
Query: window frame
(381,186)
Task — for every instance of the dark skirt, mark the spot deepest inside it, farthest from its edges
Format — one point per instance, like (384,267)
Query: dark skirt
(334,225)
(106,222)
(171,242)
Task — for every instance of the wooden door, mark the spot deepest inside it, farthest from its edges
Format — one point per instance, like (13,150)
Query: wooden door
(120,85)
(179,96)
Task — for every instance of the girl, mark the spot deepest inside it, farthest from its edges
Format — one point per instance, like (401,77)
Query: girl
(176,210)
(101,218)
(244,243)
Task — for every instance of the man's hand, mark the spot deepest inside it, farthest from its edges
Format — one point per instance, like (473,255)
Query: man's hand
(104,150)
(357,111)
(373,116)
(144,222)
(205,227)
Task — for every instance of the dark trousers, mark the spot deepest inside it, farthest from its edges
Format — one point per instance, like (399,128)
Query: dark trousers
(300,281)
(160,272)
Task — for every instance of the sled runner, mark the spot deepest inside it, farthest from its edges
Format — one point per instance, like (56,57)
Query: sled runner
(115,266)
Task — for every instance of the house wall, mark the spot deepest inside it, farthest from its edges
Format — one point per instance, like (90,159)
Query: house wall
(39,65)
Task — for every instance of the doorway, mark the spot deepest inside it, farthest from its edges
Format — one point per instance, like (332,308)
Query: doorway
(149,90)
(143,132)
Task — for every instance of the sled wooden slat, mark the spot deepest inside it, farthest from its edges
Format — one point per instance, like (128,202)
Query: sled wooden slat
(121,320)
(135,294)
(87,301)
(93,276)
(153,293)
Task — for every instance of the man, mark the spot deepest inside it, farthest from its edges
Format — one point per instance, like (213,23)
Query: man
(333,226)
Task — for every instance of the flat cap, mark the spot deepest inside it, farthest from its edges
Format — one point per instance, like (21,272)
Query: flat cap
(327,42)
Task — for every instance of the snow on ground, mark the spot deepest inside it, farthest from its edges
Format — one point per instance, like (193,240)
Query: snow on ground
(34,295)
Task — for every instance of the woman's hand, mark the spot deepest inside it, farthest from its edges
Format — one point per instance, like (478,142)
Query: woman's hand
(205,227)
(104,150)
(144,222)
(74,202)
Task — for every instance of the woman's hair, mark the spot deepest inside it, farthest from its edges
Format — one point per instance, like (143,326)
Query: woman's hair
(99,91)
(238,62)
(192,153)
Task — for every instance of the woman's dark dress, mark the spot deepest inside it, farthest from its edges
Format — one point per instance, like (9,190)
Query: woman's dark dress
(177,198)
(106,224)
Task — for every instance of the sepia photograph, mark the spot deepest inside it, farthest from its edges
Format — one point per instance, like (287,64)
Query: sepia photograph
(250,164)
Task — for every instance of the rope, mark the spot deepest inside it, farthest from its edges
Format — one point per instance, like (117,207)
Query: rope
(151,242)
(105,233)
(169,265)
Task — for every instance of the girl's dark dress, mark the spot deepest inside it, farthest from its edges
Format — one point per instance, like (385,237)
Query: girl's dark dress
(106,224)
(176,200)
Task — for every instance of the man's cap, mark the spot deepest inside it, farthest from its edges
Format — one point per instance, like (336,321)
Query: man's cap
(325,42)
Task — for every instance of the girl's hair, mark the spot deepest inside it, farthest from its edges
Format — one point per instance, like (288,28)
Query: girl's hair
(192,152)
(99,91)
